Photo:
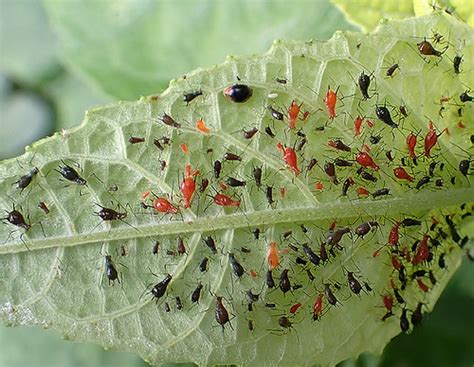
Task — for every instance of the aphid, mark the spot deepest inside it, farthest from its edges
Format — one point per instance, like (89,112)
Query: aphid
(318,306)
(403,110)
(380,192)
(249,134)
(269,194)
(364,82)
(342,162)
(422,252)
(398,296)
(188,97)
(107,214)
(365,160)
(171,253)
(273,259)
(339,145)
(26,179)
(203,265)
(237,269)
(422,285)
(281,80)
(330,295)
(203,185)
(357,125)
(201,126)
(217,168)
(224,200)
(277,115)
(391,70)
(375,139)
(418,273)
(389,155)
(311,164)
(238,93)
(330,101)
(284,284)
(168,120)
(310,275)
(368,288)
(431,139)
(397,265)
(365,228)
(162,205)
(402,174)
(159,289)
(233,182)
(135,140)
(411,143)
(334,237)
(442,261)
(354,284)
(162,165)
(417,315)
(301,144)
(330,170)
(290,158)
(42,205)
(315,259)
(231,157)
(157,144)
(110,270)
(366,175)
(293,113)
(269,132)
(361,191)
(410,222)
(285,322)
(270,305)
(155,248)
(464,97)
(166,307)
(188,186)
(250,325)
(269,279)
(256,233)
(423,181)
(404,323)
(464,166)
(196,295)
(294,308)
(179,304)
(427,49)
(323,253)
(383,115)
(348,182)
(457,63)
(221,314)
(71,174)
(439,182)
(181,248)
(388,302)
(251,297)
(393,235)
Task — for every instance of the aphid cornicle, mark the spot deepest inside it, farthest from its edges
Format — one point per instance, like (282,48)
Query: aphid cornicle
(238,93)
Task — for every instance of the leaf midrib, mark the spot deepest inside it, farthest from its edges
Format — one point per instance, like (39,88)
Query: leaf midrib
(413,201)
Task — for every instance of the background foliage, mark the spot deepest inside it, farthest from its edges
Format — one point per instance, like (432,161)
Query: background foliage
(58,59)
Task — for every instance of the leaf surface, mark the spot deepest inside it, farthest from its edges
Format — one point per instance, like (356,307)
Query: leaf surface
(54,275)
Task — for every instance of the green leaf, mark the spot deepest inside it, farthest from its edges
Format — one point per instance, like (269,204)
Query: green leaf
(56,279)
(125,47)
(368,13)
(459,8)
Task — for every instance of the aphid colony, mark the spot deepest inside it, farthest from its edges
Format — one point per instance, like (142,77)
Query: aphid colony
(348,146)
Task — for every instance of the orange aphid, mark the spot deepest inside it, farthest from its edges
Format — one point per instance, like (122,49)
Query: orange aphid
(253,273)
(289,156)
(319,185)
(201,126)
(330,101)
(146,194)
(461,125)
(184,148)
(361,191)
(357,125)
(188,186)
(293,113)
(273,257)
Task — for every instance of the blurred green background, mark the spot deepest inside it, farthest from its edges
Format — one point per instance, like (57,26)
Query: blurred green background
(59,58)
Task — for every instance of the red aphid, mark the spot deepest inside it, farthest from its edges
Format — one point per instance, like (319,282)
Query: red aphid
(146,194)
(224,200)
(295,308)
(402,174)
(293,113)
(365,160)
(393,236)
(407,255)
(319,186)
(357,125)
(370,123)
(305,115)
(223,186)
(318,306)
(388,302)
(290,158)
(422,285)
(162,205)
(397,265)
(330,101)
(361,191)
(431,139)
(184,148)
(422,252)
(188,186)
(411,143)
